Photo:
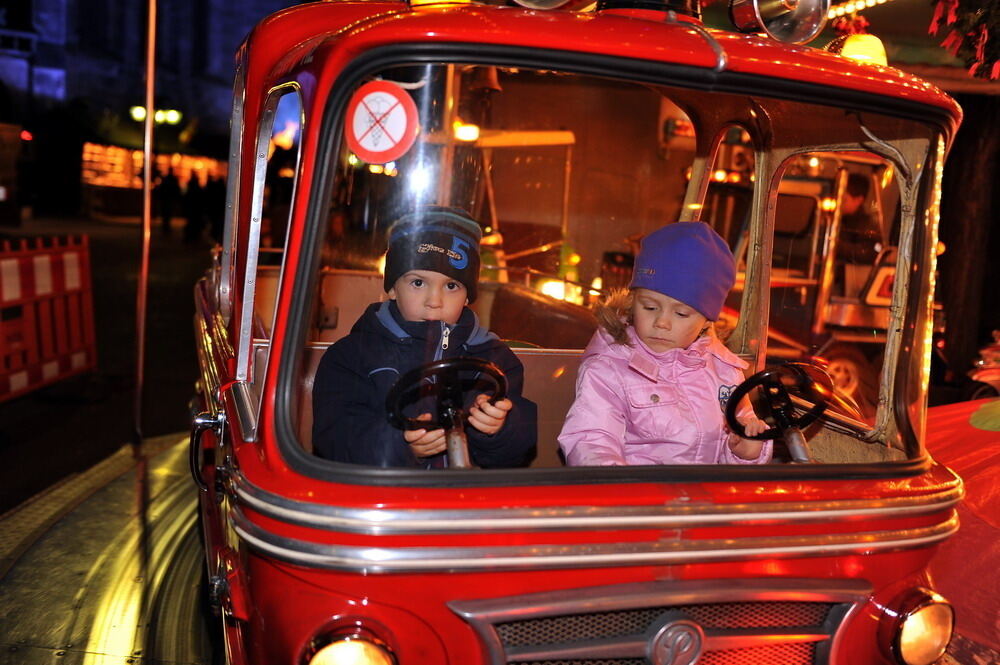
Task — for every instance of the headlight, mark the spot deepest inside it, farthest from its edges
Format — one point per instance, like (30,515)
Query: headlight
(350,645)
(352,652)
(922,628)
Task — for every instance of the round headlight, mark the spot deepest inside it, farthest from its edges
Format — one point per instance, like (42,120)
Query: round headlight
(924,630)
(352,651)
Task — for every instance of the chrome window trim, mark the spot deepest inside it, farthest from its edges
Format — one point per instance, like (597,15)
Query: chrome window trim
(232,191)
(243,360)
(240,399)
(380,521)
(440,559)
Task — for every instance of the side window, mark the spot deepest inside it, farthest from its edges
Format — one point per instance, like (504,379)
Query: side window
(727,209)
(276,171)
(836,231)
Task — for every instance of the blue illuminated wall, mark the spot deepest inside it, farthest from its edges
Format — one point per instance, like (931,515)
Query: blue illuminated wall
(54,51)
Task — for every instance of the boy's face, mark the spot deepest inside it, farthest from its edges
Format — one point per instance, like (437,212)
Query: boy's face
(425,295)
(664,323)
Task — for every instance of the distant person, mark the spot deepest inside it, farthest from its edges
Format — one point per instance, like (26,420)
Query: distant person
(859,230)
(194,210)
(431,275)
(168,194)
(654,380)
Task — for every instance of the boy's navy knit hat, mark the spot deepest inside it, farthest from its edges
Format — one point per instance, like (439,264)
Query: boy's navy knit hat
(444,240)
(687,261)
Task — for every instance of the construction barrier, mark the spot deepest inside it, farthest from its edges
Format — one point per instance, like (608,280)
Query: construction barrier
(46,313)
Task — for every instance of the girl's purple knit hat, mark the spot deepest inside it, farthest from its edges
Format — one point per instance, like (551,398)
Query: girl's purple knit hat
(687,261)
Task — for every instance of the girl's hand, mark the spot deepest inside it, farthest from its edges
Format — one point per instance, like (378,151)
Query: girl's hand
(748,449)
(425,443)
(753,425)
(489,418)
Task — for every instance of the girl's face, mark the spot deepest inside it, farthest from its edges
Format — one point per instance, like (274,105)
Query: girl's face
(663,323)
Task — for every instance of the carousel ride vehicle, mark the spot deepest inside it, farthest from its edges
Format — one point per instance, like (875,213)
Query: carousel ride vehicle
(568,133)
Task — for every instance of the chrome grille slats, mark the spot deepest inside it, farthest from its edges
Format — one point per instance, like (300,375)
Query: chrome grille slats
(788,621)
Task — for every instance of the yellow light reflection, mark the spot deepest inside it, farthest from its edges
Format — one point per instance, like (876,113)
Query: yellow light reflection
(466,132)
(285,139)
(865,48)
(553,289)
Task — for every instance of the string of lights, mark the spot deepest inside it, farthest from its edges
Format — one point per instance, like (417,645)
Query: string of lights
(848,8)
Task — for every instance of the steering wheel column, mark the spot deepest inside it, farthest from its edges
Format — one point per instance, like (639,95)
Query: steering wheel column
(446,381)
(776,385)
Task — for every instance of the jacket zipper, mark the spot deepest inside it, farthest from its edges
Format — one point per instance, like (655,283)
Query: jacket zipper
(445,334)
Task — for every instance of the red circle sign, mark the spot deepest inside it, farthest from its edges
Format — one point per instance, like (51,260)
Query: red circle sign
(381,122)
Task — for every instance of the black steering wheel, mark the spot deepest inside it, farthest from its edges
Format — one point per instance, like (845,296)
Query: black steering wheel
(777,385)
(446,381)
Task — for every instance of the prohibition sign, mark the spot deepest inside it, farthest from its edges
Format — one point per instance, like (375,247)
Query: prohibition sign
(381,122)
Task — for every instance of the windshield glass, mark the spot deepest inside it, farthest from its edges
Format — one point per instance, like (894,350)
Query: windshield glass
(558,179)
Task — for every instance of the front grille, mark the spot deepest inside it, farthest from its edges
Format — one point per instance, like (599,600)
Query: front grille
(629,622)
(616,661)
(774,654)
(734,623)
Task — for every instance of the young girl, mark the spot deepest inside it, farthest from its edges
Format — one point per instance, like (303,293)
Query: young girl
(655,379)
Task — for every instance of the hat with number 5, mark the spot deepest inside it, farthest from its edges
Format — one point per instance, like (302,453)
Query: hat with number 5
(444,240)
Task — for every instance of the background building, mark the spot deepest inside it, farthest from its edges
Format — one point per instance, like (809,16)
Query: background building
(70,70)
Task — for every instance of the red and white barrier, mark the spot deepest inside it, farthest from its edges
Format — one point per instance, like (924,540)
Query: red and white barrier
(46,313)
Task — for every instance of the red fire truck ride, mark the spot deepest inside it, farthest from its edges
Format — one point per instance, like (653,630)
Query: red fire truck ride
(568,133)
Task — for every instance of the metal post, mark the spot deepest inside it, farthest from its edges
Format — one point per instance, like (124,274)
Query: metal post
(147,212)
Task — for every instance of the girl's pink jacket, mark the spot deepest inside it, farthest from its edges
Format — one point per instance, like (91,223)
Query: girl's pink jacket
(636,406)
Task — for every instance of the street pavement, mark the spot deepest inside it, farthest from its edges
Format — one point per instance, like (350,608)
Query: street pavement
(55,432)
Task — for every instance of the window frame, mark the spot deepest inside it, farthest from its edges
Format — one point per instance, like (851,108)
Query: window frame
(937,121)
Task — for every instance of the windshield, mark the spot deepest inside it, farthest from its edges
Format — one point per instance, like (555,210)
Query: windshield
(563,176)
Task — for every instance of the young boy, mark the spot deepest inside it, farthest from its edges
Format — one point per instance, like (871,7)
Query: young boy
(431,273)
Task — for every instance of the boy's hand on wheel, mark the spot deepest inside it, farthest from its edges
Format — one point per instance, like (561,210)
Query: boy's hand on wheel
(489,418)
(425,443)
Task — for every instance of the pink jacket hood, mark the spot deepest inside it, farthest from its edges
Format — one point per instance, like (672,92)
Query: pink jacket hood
(636,406)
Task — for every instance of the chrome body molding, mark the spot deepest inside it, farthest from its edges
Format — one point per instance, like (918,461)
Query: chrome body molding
(378,521)
(367,560)
(534,627)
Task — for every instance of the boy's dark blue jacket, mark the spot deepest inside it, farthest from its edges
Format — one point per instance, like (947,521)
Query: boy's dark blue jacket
(354,376)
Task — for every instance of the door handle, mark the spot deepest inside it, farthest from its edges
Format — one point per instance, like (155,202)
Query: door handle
(201,423)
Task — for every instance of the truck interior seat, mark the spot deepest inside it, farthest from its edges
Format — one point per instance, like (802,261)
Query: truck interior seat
(549,381)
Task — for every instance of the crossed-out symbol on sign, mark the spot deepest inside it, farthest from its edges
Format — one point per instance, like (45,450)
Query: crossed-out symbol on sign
(381,122)
(375,121)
